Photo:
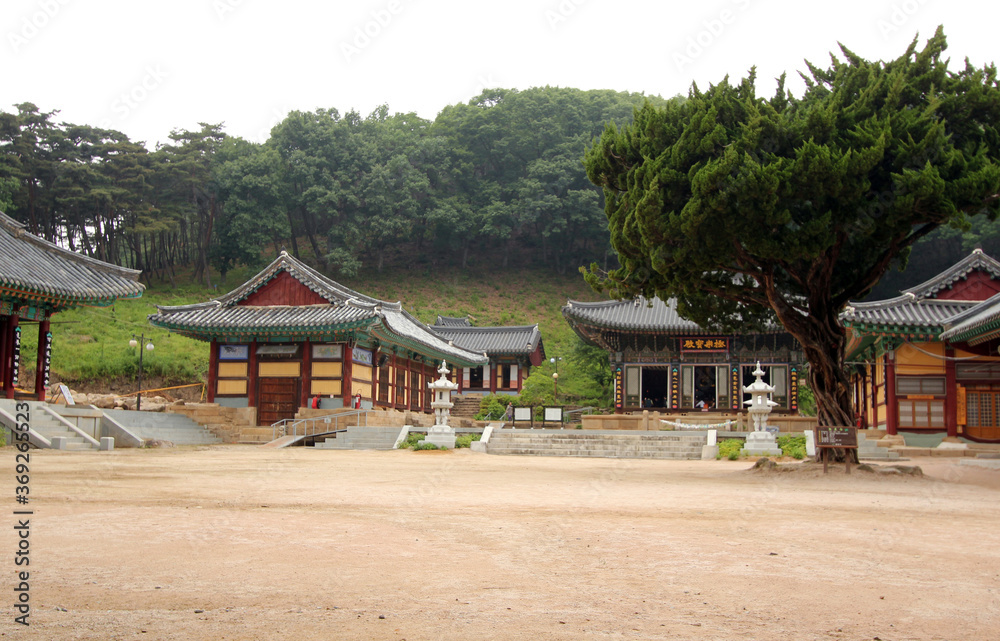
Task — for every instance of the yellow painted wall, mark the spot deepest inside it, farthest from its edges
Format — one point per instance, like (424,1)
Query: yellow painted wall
(232,370)
(326,388)
(911,361)
(362,372)
(279,369)
(231,387)
(327,370)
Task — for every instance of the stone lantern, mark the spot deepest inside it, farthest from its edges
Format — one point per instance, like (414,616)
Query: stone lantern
(442,434)
(760,442)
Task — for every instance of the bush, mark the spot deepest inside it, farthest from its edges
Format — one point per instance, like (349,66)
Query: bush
(411,440)
(493,406)
(794,446)
(425,446)
(466,440)
(730,449)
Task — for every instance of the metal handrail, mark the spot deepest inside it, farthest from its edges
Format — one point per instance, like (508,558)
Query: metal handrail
(308,425)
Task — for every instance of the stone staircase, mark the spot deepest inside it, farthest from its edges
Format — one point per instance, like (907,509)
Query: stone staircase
(872,451)
(466,406)
(164,426)
(362,438)
(609,444)
(48,426)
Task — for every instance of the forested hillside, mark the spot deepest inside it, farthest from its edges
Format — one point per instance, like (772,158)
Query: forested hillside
(497,180)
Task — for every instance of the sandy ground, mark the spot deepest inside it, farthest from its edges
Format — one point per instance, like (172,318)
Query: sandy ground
(236,542)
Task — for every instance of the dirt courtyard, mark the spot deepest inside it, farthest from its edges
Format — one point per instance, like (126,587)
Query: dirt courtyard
(240,542)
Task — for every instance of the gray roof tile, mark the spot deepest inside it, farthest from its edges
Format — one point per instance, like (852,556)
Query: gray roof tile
(34,265)
(511,340)
(638,314)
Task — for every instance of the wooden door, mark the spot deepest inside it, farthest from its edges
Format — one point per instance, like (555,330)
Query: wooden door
(277,398)
(982,413)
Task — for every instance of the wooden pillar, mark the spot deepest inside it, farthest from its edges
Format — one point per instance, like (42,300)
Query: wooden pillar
(493,377)
(44,360)
(950,393)
(520,377)
(213,371)
(8,380)
(306,373)
(4,321)
(891,407)
(348,391)
(252,375)
(864,398)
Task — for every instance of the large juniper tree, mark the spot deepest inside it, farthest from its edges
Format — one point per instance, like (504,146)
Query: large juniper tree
(748,209)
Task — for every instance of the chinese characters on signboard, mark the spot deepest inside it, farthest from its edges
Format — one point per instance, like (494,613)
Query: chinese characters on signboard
(705,344)
(793,388)
(619,388)
(17,355)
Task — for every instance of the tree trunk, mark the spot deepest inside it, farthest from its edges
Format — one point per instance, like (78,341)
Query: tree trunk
(823,341)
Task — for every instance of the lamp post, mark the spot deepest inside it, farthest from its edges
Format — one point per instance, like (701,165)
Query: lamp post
(149,346)
(555,378)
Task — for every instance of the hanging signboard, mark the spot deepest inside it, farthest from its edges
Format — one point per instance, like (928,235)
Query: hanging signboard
(47,362)
(705,344)
(619,388)
(16,370)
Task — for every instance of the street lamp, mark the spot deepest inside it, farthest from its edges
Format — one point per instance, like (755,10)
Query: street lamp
(555,378)
(149,346)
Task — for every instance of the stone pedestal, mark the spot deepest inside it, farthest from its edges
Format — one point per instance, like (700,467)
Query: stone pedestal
(761,444)
(441,435)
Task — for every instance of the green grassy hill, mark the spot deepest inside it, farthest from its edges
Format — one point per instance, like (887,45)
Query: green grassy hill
(91,351)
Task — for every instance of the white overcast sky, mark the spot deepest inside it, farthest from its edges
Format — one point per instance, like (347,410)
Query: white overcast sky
(146,67)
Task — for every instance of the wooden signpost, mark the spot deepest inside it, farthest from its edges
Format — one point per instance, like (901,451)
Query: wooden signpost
(835,437)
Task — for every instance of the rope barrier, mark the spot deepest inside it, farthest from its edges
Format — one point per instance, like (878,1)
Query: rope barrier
(681,426)
(163,389)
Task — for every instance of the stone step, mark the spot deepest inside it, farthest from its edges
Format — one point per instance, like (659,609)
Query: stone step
(602,445)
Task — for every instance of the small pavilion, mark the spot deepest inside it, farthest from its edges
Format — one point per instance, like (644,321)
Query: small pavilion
(512,352)
(291,338)
(39,279)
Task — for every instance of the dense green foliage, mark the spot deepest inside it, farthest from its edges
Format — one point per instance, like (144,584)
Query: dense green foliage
(730,449)
(793,446)
(751,210)
(496,178)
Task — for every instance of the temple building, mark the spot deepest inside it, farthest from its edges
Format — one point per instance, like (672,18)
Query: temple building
(668,363)
(39,279)
(290,338)
(512,352)
(926,361)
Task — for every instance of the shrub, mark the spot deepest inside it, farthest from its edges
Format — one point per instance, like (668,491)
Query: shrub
(425,446)
(794,446)
(465,440)
(730,449)
(412,439)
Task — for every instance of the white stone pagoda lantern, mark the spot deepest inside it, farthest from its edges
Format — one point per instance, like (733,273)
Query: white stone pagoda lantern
(442,434)
(760,442)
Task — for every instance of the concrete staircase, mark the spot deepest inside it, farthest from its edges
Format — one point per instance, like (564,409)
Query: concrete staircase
(362,438)
(606,444)
(164,426)
(872,451)
(47,425)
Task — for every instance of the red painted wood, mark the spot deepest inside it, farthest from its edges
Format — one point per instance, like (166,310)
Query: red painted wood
(283,289)
(213,369)
(976,286)
(4,352)
(8,381)
(950,393)
(348,385)
(252,375)
(891,407)
(43,328)
(306,373)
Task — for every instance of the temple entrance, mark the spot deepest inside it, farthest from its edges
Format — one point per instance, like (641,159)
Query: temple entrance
(277,399)
(704,387)
(655,386)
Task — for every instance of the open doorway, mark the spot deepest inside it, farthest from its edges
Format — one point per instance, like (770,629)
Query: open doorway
(655,386)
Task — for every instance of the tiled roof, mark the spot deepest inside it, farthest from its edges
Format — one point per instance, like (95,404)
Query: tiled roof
(637,315)
(348,309)
(40,270)
(977,324)
(976,260)
(521,340)
(452,321)
(904,311)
